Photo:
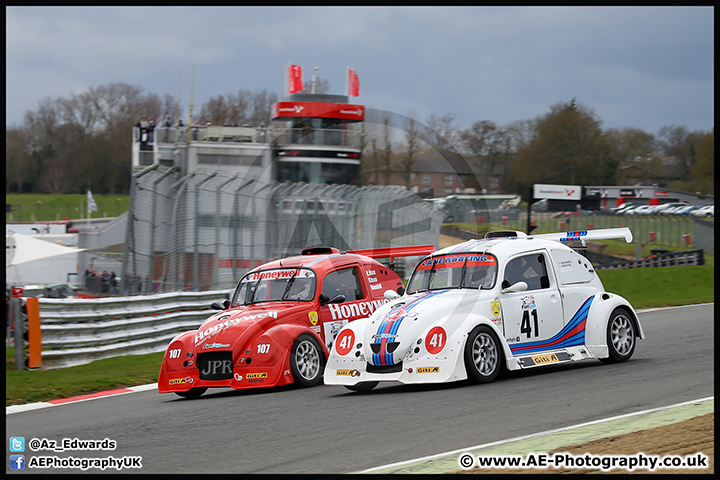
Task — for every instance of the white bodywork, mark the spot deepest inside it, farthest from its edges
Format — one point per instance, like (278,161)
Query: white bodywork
(420,337)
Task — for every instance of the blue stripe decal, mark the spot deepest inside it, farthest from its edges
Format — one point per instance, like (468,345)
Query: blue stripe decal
(395,326)
(573,334)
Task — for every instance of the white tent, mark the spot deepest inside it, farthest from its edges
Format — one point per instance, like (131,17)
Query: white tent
(26,248)
(31,260)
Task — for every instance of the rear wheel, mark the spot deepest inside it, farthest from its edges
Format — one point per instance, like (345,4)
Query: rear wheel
(483,357)
(193,392)
(306,361)
(621,337)
(362,386)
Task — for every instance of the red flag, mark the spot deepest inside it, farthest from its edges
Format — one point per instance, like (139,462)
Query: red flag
(295,83)
(354,84)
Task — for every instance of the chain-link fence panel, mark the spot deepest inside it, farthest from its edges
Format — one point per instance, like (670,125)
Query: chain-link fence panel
(205,230)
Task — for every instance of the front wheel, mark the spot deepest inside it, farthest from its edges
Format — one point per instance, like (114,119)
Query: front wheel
(483,357)
(193,392)
(306,361)
(621,337)
(362,386)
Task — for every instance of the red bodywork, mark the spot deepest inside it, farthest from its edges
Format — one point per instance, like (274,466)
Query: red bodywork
(258,337)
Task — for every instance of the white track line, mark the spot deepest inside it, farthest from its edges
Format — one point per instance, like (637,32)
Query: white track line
(533,435)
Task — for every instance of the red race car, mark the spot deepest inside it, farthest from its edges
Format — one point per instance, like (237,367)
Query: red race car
(281,321)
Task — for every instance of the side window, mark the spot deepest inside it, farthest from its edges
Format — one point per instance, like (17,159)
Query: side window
(343,282)
(531,269)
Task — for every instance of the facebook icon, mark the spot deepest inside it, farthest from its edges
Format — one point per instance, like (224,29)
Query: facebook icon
(17,462)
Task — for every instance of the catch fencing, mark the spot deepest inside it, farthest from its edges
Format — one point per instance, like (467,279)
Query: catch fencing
(205,230)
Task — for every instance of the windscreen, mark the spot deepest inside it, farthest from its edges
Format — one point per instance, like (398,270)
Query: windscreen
(469,270)
(275,285)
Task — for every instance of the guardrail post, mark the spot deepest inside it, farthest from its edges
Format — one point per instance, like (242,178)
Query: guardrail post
(32,307)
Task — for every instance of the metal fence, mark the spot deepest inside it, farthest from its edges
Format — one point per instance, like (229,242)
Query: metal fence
(206,229)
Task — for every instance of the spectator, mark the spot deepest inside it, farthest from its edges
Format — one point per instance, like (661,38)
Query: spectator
(151,131)
(113,283)
(143,130)
(195,130)
(168,124)
(104,282)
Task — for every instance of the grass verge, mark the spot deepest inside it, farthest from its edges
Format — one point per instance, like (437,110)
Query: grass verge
(23,386)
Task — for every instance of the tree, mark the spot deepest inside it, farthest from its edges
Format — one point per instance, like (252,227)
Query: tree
(631,146)
(406,166)
(442,132)
(567,147)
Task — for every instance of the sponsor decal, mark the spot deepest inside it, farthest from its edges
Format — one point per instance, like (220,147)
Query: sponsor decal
(238,377)
(376,286)
(512,339)
(313,316)
(370,272)
(528,302)
(347,373)
(357,309)
(331,331)
(383,335)
(372,279)
(180,381)
(316,328)
(428,370)
(544,359)
(215,345)
(565,266)
(256,375)
(495,308)
(202,335)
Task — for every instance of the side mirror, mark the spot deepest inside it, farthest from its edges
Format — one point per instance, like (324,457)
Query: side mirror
(516,287)
(220,306)
(391,294)
(337,299)
(325,300)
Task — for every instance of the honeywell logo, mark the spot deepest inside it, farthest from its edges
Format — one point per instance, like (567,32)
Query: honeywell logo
(355,309)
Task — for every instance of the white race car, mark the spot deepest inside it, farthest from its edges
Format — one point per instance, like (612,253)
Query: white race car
(508,300)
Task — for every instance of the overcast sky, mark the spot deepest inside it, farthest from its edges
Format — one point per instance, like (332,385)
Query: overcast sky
(642,67)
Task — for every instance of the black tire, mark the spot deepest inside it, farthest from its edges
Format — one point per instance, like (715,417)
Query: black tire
(362,386)
(193,392)
(306,361)
(621,337)
(483,355)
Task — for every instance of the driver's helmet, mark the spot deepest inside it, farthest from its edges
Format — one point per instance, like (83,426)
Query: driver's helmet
(302,289)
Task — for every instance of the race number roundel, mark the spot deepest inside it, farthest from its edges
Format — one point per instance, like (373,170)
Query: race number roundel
(344,342)
(435,340)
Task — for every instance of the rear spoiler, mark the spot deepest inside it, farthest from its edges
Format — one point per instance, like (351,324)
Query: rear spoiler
(585,235)
(392,252)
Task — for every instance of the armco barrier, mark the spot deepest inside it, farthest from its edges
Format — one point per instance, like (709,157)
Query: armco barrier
(672,259)
(79,331)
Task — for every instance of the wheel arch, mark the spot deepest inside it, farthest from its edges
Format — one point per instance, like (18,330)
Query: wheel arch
(603,305)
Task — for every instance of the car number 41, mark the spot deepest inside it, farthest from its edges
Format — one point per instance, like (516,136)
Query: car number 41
(526,327)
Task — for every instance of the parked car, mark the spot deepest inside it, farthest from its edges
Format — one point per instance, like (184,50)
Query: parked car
(687,210)
(506,301)
(660,209)
(639,210)
(706,211)
(618,210)
(281,321)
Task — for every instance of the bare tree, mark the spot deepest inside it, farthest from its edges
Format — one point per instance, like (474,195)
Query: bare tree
(406,166)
